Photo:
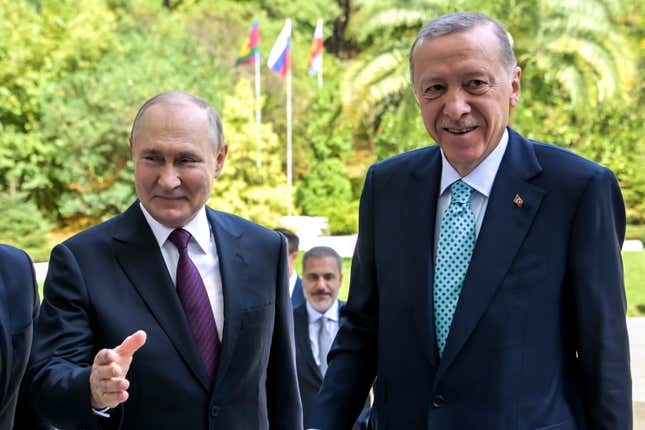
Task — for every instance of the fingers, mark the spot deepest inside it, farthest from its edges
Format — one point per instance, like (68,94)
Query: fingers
(108,385)
(131,344)
(107,378)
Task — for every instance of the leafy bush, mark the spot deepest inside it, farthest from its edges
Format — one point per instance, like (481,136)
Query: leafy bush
(22,225)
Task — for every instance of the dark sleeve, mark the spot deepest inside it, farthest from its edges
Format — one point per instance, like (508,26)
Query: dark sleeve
(352,359)
(283,396)
(596,275)
(26,415)
(64,349)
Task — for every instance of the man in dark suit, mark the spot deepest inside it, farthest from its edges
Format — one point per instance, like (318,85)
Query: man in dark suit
(487,286)
(171,314)
(316,324)
(18,312)
(295,283)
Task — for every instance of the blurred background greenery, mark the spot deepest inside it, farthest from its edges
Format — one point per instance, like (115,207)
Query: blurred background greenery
(72,75)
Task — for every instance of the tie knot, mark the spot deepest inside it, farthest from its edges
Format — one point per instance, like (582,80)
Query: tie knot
(460,192)
(179,237)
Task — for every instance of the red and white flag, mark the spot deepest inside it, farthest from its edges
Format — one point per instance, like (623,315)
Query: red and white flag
(315,58)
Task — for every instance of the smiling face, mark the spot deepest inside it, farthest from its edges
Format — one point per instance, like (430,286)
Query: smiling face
(174,162)
(464,93)
(321,279)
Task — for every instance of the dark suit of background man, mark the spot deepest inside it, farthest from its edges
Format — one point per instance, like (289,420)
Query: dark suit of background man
(316,324)
(295,283)
(521,325)
(138,333)
(18,312)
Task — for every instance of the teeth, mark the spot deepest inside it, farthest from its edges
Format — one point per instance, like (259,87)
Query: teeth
(460,130)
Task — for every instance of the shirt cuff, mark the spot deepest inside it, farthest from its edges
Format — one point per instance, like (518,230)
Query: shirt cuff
(101,412)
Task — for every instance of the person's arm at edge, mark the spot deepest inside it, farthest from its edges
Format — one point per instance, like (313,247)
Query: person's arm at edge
(597,275)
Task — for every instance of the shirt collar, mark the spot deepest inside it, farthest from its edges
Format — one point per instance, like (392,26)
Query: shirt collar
(198,227)
(314,315)
(482,177)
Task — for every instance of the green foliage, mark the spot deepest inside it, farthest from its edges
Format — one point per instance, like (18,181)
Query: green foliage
(92,127)
(22,225)
(72,78)
(253,184)
(326,190)
(634,264)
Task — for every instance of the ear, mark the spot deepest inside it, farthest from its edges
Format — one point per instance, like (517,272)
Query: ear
(515,87)
(219,160)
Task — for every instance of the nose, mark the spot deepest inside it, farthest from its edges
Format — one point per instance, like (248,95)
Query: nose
(168,177)
(456,104)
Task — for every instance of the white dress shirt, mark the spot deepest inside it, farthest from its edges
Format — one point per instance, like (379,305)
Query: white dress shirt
(292,282)
(331,325)
(480,179)
(202,251)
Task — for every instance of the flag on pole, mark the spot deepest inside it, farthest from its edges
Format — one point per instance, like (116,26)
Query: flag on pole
(280,57)
(315,57)
(250,47)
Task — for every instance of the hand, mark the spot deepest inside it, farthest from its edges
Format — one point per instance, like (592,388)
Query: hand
(107,379)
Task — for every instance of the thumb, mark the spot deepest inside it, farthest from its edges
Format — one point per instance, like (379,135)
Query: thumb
(131,344)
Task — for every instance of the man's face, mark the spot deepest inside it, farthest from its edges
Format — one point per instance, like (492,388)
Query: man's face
(174,162)
(464,93)
(321,281)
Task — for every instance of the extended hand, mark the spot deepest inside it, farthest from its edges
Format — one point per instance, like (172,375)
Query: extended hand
(107,379)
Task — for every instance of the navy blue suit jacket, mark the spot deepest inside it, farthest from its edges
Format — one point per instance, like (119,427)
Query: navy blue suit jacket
(111,280)
(297,295)
(18,312)
(538,339)
(309,377)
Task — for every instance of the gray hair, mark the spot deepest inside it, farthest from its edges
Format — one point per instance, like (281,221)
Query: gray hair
(215,133)
(463,21)
(321,252)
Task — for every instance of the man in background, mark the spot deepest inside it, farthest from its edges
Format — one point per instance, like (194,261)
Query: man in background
(295,283)
(316,323)
(171,314)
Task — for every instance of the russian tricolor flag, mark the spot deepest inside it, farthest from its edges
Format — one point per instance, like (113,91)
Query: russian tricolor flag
(280,57)
(315,57)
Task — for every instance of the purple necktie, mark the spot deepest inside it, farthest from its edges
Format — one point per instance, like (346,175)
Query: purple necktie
(197,307)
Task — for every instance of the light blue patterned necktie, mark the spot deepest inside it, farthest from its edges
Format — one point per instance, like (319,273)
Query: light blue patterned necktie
(454,250)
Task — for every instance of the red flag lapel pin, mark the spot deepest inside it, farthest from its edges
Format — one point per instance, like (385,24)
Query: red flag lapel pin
(518,201)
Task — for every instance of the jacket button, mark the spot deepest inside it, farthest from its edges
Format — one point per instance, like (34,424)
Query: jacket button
(438,401)
(215,410)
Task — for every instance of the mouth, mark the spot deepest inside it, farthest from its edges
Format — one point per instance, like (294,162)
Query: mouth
(169,198)
(459,130)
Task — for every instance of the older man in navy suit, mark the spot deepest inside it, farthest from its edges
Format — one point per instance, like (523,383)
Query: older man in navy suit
(171,314)
(487,285)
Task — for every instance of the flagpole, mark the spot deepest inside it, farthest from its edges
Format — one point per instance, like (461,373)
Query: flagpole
(289,146)
(258,110)
(320,72)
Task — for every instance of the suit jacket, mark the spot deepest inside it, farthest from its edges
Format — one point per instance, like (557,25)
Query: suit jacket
(18,312)
(538,339)
(297,296)
(111,280)
(309,377)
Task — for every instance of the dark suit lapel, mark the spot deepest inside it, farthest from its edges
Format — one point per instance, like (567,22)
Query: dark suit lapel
(418,225)
(138,254)
(504,228)
(233,268)
(303,344)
